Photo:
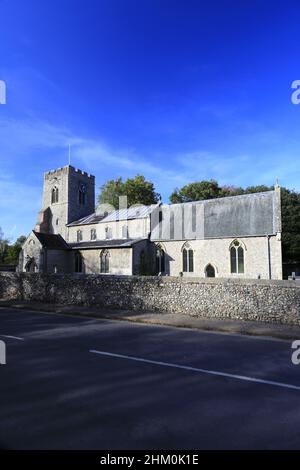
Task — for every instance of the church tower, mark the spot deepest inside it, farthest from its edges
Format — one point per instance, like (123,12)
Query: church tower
(69,194)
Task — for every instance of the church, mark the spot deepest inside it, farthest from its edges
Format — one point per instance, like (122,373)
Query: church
(230,237)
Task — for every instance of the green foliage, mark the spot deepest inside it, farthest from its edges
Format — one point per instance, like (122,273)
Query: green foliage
(9,254)
(137,190)
(290,209)
(196,192)
(290,214)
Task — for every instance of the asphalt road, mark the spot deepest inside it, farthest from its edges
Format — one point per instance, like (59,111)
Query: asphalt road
(82,383)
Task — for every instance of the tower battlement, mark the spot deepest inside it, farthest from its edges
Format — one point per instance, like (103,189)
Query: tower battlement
(69,194)
(69,168)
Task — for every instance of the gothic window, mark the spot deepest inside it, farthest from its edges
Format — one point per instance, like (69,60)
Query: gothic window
(54,195)
(79,235)
(78,263)
(31,266)
(93,234)
(82,194)
(210,271)
(104,262)
(237,258)
(187,259)
(160,260)
(57,221)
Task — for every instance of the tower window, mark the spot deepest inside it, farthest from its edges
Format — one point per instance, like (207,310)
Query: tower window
(81,194)
(79,235)
(93,234)
(54,195)
(104,262)
(57,221)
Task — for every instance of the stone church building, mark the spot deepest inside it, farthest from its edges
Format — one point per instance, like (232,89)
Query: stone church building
(238,236)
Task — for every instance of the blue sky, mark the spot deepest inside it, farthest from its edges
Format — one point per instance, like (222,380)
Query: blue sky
(178,91)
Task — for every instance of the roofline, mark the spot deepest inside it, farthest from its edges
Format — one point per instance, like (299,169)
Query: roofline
(222,198)
(74,224)
(100,244)
(264,235)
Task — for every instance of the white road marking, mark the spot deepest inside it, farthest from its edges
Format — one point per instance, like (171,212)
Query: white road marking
(195,369)
(12,337)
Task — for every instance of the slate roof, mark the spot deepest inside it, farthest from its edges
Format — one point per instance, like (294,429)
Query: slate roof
(87,220)
(246,215)
(111,243)
(123,214)
(51,241)
(131,213)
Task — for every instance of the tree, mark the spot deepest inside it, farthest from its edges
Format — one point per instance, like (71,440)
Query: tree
(196,192)
(9,254)
(290,216)
(13,251)
(3,246)
(137,190)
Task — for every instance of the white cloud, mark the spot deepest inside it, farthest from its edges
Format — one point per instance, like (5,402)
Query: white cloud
(42,142)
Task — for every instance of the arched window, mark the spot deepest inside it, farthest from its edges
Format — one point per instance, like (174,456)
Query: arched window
(236,258)
(187,259)
(31,266)
(79,235)
(93,234)
(54,195)
(81,194)
(160,260)
(210,271)
(78,262)
(104,262)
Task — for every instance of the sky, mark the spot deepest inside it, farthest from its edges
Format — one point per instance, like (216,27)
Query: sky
(175,90)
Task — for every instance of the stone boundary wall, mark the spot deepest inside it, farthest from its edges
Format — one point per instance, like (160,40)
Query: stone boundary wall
(242,299)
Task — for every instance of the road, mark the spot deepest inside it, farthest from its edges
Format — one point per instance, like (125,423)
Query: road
(83,383)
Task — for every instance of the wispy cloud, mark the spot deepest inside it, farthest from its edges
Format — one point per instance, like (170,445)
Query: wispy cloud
(27,146)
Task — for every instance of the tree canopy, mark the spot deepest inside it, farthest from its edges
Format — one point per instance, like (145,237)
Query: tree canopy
(201,190)
(9,253)
(138,191)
